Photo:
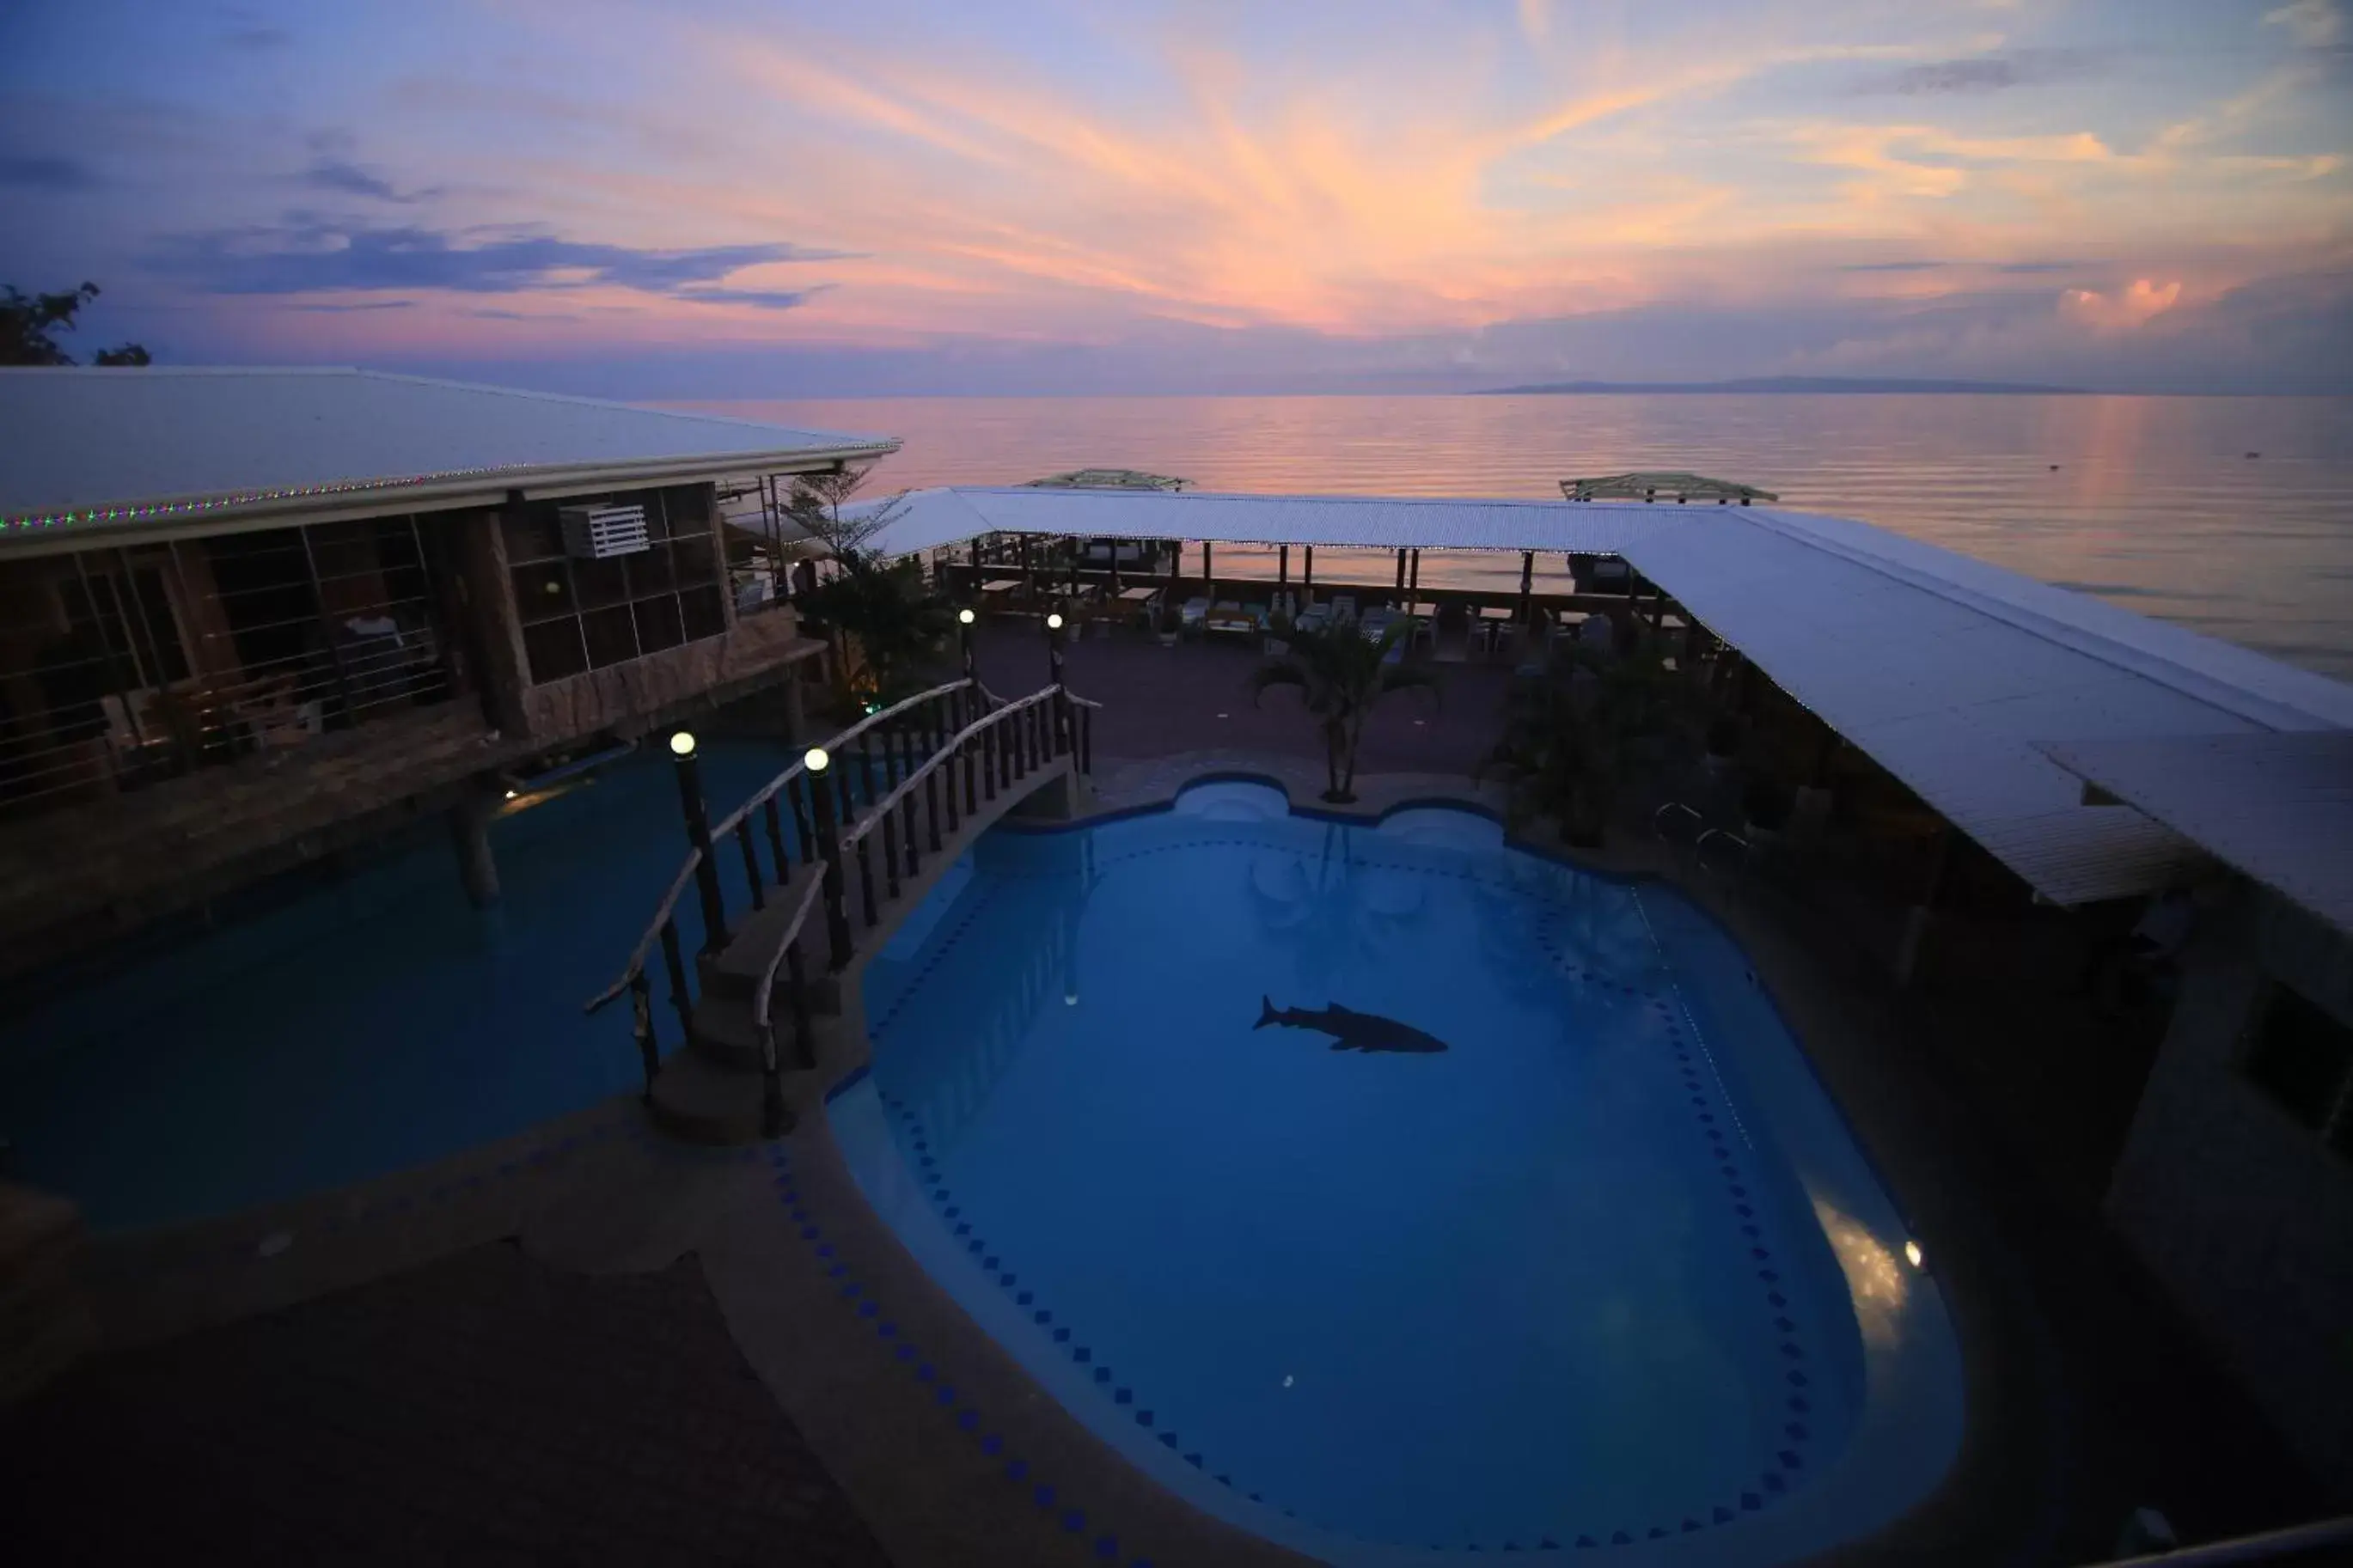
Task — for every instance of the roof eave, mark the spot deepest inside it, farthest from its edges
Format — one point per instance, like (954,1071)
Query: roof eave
(179,516)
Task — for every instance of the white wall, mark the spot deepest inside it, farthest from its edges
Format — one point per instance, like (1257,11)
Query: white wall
(2244,1214)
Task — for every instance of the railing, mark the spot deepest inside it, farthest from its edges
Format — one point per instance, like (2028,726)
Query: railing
(992,745)
(2305,1542)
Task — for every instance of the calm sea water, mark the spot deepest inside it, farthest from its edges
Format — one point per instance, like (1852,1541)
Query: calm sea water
(2152,502)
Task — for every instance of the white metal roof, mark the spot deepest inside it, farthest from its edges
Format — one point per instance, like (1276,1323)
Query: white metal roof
(1952,674)
(91,449)
(2276,805)
(926,520)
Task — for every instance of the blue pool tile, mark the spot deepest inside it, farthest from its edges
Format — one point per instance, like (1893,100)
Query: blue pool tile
(1009,1280)
(1776,1298)
(1798,1405)
(1620,1538)
(954,1213)
(1797,1380)
(886,1328)
(1759,1253)
(837,1271)
(1017,1469)
(906,1353)
(925,1372)
(1083,1356)
(1797,1431)
(993,1444)
(1790,1460)
(968,1418)
(1102,1375)
(946,1396)
(1690,1525)
(826,1251)
(1585,1541)
(1074,1521)
(1025,1299)
(1723,1514)
(1751,1502)
(977,1247)
(1043,1497)
(1125,1396)
(1144,1418)
(992,1264)
(1194,1460)
(1786,1326)
(1656,1534)
(866,1309)
(1773,1482)
(1167,1439)
(965,1229)
(853,1290)
(1107,1547)
(1042,1316)
(1061,1336)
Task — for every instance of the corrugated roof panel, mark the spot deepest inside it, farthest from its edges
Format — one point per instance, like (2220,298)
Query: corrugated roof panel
(2278,806)
(1949,672)
(82,439)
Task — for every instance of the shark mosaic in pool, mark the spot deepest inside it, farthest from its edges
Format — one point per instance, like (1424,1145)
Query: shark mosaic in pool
(1608,1275)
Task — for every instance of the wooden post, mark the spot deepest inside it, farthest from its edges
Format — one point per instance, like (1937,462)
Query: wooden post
(1413,579)
(1208,572)
(1527,580)
(697,834)
(1401,582)
(1307,569)
(1282,566)
(828,838)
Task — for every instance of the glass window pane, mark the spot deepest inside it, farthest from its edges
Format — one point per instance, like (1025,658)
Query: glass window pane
(612,635)
(705,612)
(531,533)
(555,649)
(650,573)
(2300,1056)
(697,564)
(541,591)
(658,626)
(601,582)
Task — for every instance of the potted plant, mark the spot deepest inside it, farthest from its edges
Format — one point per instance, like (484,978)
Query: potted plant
(1723,744)
(1766,804)
(1340,675)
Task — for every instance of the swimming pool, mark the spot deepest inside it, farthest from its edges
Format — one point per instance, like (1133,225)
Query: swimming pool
(364,1023)
(1388,1192)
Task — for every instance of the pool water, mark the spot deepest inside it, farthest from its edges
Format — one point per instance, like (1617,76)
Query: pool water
(366,1022)
(1607,1271)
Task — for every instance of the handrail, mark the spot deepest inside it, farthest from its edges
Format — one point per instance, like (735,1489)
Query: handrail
(1675,806)
(2270,1546)
(759,992)
(882,808)
(1699,845)
(646,943)
(729,823)
(767,791)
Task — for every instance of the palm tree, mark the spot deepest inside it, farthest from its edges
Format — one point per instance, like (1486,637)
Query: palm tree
(1571,735)
(1340,674)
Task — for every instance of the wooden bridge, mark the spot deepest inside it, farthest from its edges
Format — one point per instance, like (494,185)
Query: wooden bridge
(855,832)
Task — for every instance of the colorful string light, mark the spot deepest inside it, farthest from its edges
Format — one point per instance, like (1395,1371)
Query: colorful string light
(32,520)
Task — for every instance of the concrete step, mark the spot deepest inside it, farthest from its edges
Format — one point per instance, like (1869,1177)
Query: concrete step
(734,970)
(703,1102)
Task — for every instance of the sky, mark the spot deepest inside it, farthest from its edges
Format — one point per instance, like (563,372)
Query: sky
(780,199)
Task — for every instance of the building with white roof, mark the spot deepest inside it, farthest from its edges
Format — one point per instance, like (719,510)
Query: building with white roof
(380,594)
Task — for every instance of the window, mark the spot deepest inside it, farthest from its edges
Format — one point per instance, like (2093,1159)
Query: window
(2301,1057)
(587,614)
(129,615)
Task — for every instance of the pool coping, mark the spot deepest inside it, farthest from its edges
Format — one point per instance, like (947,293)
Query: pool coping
(607,1192)
(1936,1526)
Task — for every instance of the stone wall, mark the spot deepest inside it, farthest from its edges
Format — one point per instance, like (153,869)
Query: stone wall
(634,697)
(2245,1214)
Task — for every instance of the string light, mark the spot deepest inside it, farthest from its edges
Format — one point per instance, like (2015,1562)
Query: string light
(30,521)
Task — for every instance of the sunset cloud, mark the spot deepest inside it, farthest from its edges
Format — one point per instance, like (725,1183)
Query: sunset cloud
(1435,188)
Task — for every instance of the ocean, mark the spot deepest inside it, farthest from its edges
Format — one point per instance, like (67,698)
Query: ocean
(2232,516)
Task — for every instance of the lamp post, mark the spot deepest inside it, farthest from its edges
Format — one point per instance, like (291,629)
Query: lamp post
(829,843)
(697,834)
(1054,679)
(965,619)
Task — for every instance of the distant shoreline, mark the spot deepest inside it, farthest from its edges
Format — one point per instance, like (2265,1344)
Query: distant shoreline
(1784,384)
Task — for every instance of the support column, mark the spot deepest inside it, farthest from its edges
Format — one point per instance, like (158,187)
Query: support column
(469,835)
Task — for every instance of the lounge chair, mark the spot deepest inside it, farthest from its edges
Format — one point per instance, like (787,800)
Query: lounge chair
(1196,611)
(1344,607)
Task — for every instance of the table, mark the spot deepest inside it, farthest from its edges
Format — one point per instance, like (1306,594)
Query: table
(1139,596)
(1000,584)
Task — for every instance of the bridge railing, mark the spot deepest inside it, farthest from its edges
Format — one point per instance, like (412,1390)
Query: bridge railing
(954,740)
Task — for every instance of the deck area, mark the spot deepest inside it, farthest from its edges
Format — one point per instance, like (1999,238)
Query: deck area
(459,1399)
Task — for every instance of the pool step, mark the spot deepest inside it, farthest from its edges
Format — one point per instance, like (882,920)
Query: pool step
(705,1101)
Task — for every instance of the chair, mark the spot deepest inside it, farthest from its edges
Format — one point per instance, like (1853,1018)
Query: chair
(1344,607)
(1196,611)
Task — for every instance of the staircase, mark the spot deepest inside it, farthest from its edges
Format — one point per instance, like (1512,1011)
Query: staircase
(888,805)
